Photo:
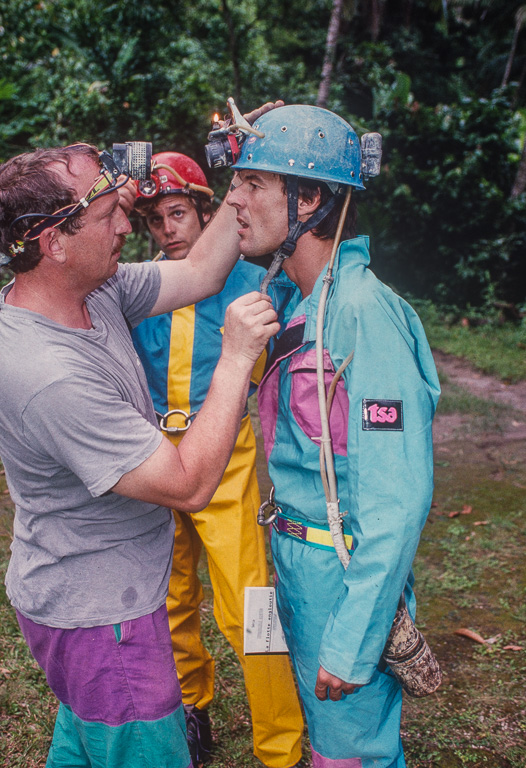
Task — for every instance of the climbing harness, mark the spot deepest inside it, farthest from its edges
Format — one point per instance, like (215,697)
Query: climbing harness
(316,535)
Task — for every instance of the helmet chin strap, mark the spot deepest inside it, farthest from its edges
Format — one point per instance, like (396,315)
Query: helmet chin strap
(297,228)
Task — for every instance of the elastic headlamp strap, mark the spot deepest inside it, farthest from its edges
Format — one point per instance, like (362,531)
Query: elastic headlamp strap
(108,163)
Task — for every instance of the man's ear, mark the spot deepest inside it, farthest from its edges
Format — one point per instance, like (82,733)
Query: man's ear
(308,204)
(52,245)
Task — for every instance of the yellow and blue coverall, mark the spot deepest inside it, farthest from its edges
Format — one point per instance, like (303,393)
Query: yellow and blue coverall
(179,351)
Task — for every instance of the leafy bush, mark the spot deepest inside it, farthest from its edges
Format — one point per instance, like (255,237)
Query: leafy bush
(442,222)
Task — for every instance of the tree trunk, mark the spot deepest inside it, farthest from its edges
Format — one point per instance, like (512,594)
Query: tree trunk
(522,78)
(234,52)
(407,8)
(519,185)
(330,49)
(376,18)
(513,48)
(520,18)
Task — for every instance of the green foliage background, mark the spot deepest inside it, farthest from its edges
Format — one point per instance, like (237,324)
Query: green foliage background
(428,74)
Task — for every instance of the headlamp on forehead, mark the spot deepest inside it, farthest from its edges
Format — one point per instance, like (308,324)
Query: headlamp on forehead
(224,143)
(131,160)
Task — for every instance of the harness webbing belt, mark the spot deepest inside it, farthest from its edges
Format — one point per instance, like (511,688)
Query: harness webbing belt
(315,535)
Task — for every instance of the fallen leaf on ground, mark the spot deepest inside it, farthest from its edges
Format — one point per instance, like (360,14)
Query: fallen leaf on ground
(481,522)
(466,510)
(494,639)
(471,635)
(453,514)
(512,648)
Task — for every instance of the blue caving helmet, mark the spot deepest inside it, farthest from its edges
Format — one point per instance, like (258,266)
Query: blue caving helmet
(302,141)
(307,142)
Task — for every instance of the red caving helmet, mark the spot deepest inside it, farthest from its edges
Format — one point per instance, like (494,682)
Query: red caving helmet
(174,173)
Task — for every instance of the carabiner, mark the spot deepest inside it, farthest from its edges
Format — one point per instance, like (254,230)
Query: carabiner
(163,421)
(262,520)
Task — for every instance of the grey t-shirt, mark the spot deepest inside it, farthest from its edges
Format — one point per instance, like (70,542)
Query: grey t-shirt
(75,415)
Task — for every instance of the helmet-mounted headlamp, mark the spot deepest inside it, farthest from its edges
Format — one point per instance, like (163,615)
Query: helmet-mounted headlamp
(134,159)
(149,187)
(224,143)
(173,173)
(131,160)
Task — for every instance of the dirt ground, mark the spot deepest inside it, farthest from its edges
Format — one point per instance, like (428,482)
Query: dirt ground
(494,440)
(465,375)
(470,575)
(512,398)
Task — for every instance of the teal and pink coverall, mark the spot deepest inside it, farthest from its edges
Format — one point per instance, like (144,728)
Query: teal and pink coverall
(381,430)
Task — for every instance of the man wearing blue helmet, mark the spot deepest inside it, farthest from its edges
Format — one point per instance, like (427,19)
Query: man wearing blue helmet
(351,377)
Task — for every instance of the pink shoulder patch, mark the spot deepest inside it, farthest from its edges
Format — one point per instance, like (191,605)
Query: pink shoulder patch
(304,399)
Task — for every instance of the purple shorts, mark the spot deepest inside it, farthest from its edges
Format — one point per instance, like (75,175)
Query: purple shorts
(116,684)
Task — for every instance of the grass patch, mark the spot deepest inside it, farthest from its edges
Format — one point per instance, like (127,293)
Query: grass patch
(496,349)
(471,575)
(27,707)
(488,415)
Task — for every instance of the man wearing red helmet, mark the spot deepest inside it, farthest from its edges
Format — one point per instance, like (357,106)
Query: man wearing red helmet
(179,351)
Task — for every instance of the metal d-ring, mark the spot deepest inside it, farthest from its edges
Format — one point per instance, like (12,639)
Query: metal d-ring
(262,520)
(163,421)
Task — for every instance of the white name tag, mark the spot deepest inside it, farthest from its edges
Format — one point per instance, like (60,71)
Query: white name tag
(263,631)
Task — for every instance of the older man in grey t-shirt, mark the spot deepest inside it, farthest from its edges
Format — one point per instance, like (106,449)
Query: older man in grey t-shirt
(69,529)
(91,475)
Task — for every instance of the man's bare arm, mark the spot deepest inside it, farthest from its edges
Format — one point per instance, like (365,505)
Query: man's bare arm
(186,477)
(210,261)
(205,269)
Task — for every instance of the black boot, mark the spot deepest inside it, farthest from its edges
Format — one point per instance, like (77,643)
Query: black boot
(198,734)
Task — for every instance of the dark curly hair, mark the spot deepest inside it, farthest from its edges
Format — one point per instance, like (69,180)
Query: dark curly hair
(29,185)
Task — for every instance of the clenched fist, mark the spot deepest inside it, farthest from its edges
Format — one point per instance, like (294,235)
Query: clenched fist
(250,321)
(332,687)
